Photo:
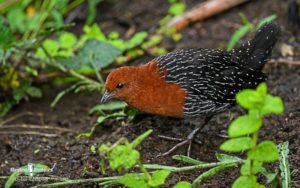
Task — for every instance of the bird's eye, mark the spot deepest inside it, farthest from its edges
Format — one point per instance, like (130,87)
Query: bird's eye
(120,86)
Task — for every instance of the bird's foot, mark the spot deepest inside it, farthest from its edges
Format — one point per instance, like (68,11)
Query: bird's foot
(189,140)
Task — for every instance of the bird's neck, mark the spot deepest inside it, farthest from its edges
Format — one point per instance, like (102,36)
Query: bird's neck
(155,95)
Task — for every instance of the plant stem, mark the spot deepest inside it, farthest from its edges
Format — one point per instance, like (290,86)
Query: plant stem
(109,180)
(193,167)
(254,139)
(143,169)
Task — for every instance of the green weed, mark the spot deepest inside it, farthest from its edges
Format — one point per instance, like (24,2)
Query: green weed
(243,133)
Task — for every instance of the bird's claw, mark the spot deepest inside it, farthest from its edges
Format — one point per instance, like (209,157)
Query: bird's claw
(175,147)
(189,140)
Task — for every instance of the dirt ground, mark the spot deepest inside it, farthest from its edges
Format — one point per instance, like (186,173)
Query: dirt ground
(73,158)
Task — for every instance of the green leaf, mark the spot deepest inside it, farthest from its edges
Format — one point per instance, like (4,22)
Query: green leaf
(186,159)
(237,35)
(94,32)
(92,11)
(51,47)
(266,151)
(245,182)
(183,184)
(262,89)
(16,18)
(177,9)
(266,20)
(245,125)
(249,99)
(136,40)
(11,180)
(139,139)
(99,53)
(5,107)
(5,33)
(284,164)
(249,168)
(67,40)
(158,178)
(114,105)
(133,181)
(269,175)
(93,149)
(227,158)
(123,157)
(34,92)
(244,18)
(211,172)
(102,119)
(153,40)
(272,105)
(237,144)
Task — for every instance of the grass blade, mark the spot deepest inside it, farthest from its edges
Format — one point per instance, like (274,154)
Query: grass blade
(237,35)
(227,158)
(284,164)
(161,167)
(212,172)
(11,180)
(186,159)
(265,20)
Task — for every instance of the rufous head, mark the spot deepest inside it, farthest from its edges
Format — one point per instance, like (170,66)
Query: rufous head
(121,84)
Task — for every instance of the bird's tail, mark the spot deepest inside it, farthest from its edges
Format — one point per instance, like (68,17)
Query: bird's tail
(255,53)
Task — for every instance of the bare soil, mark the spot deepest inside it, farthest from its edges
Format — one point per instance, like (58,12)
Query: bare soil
(73,158)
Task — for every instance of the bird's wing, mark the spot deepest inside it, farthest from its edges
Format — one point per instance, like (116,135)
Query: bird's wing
(210,78)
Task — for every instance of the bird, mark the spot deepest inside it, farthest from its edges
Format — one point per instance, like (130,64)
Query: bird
(193,83)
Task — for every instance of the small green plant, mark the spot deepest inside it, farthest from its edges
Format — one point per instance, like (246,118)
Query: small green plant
(123,156)
(246,28)
(243,133)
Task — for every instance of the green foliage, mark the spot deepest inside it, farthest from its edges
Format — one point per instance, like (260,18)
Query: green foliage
(246,28)
(176,8)
(183,184)
(99,54)
(237,144)
(243,133)
(266,151)
(186,159)
(35,23)
(6,36)
(123,156)
(112,106)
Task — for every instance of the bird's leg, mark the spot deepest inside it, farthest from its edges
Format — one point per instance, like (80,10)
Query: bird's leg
(188,140)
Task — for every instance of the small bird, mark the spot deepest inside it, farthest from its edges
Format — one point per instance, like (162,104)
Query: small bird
(193,83)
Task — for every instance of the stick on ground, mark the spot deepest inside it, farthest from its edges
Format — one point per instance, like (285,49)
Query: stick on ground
(202,11)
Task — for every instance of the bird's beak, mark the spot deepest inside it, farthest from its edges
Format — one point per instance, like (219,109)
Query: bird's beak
(106,96)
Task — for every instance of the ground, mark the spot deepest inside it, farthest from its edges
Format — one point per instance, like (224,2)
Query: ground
(72,157)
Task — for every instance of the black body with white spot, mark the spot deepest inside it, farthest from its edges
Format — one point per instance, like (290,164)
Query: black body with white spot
(211,78)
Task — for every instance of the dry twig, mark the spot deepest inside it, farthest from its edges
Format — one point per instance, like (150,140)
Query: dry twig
(203,11)
(27,126)
(29,133)
(41,115)
(284,61)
